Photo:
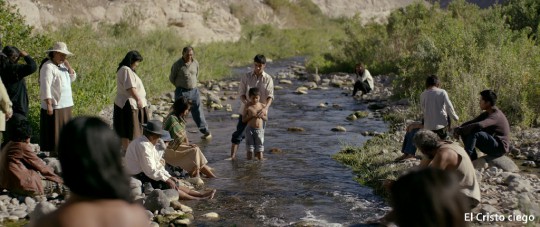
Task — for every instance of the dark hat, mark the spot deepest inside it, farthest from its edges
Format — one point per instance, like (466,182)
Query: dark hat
(154,126)
(166,136)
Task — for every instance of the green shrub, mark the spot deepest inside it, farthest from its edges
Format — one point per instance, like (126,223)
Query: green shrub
(469,48)
(15,32)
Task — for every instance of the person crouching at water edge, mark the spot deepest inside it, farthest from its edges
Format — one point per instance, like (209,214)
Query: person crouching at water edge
(144,163)
(255,122)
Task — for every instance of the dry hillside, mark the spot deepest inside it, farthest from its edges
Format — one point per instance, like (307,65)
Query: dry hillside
(195,20)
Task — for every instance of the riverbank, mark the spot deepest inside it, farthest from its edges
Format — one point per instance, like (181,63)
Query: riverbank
(268,193)
(507,190)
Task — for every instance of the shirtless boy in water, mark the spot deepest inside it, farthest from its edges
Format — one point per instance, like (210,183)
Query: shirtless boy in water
(255,125)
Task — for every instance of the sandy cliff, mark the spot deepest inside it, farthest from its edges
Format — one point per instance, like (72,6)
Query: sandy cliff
(195,20)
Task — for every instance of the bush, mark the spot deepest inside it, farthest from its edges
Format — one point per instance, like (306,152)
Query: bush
(14,32)
(470,49)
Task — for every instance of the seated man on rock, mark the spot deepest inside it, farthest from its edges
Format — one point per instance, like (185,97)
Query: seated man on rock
(437,109)
(489,132)
(21,171)
(144,163)
(447,155)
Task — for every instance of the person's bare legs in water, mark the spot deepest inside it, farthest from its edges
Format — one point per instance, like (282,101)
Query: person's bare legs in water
(188,194)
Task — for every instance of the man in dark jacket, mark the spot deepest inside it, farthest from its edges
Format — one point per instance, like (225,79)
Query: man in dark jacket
(13,75)
(489,132)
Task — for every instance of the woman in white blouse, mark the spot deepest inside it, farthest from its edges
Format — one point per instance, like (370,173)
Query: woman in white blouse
(130,104)
(55,78)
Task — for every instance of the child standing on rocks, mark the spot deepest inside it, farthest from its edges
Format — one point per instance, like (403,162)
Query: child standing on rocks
(255,125)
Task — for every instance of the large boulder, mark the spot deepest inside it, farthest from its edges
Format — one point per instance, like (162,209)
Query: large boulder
(157,200)
(42,209)
(503,162)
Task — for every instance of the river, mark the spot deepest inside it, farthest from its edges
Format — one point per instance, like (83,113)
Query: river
(300,184)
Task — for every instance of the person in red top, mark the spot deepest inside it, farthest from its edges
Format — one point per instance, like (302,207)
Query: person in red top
(489,132)
(21,170)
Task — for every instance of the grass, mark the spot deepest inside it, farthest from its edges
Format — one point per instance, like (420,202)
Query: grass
(370,161)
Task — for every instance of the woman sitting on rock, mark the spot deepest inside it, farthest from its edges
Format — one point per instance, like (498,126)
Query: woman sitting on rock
(21,171)
(180,152)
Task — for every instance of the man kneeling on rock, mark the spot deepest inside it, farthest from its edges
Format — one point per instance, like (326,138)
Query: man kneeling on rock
(489,132)
(144,163)
(447,155)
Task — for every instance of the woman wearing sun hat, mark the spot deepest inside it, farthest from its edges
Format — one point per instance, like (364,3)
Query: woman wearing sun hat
(55,78)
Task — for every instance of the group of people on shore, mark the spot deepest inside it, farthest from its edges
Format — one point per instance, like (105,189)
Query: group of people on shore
(446,168)
(91,153)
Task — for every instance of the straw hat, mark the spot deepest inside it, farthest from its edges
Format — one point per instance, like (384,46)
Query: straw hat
(60,47)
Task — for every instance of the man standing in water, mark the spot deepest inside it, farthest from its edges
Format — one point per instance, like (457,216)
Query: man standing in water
(184,75)
(260,79)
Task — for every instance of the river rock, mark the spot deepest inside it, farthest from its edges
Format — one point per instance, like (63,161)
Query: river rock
(136,187)
(148,188)
(502,162)
(518,184)
(336,83)
(376,106)
(361,114)
(19,213)
(216,106)
(486,208)
(182,222)
(310,85)
(167,211)
(177,205)
(29,201)
(480,163)
(216,87)
(172,194)
(295,129)
(352,117)
(13,218)
(339,129)
(274,150)
(149,214)
(211,215)
(41,210)
(54,164)
(301,90)
(156,200)
(530,164)
(314,78)
(213,98)
(285,82)
(186,209)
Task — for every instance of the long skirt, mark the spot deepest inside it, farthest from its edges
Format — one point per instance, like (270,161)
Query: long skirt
(127,122)
(186,157)
(50,126)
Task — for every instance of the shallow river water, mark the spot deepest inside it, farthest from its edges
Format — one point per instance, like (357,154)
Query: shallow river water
(301,183)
